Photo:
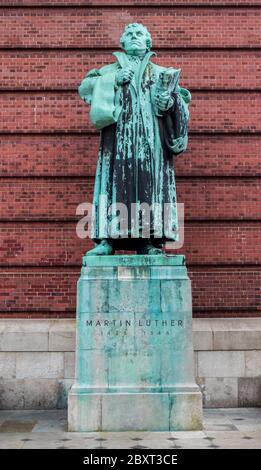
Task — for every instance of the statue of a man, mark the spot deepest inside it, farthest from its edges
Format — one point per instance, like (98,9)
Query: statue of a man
(142,114)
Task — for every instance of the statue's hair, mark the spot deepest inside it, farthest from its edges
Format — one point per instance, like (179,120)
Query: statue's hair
(137,25)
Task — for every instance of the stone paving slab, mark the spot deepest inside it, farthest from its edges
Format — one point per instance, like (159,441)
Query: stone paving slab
(235,428)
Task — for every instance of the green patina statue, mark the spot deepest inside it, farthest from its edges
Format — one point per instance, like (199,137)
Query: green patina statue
(142,114)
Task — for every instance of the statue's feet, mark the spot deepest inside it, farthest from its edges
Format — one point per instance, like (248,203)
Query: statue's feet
(102,249)
(149,249)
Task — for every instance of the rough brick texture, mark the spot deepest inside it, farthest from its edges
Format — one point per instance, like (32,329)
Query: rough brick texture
(57,199)
(54,290)
(49,148)
(59,112)
(47,244)
(204,69)
(222,155)
(117,3)
(91,28)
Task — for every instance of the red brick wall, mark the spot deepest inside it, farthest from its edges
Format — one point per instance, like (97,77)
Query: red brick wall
(49,148)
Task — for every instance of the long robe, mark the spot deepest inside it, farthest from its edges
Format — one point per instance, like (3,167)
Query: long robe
(135,156)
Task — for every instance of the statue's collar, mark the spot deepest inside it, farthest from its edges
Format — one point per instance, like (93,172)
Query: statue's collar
(122,57)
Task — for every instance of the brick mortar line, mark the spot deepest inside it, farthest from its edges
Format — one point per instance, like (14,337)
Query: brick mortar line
(91,176)
(93,133)
(145,6)
(206,268)
(105,49)
(200,48)
(68,91)
(74,90)
(191,222)
(202,265)
(75,220)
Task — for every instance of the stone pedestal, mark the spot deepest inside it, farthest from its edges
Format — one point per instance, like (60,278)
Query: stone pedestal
(134,353)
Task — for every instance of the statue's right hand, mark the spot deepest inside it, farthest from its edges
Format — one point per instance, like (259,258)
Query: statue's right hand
(124,76)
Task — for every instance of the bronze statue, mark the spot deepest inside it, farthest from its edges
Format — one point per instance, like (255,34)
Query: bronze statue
(142,114)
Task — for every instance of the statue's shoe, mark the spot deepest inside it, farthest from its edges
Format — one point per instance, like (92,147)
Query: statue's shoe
(103,249)
(149,250)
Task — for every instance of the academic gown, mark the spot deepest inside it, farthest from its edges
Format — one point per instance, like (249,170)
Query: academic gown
(135,168)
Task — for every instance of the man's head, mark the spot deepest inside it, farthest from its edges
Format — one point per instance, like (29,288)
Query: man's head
(136,39)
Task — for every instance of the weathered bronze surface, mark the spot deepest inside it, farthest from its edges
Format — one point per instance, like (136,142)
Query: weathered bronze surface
(142,114)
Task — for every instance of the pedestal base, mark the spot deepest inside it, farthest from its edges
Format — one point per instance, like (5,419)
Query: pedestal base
(175,411)
(134,353)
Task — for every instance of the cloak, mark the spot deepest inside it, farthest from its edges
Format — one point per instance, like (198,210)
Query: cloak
(135,166)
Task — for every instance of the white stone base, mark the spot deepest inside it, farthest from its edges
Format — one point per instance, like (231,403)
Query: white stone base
(178,411)
(37,362)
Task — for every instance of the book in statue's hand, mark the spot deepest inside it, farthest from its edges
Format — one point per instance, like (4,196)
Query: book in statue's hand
(168,80)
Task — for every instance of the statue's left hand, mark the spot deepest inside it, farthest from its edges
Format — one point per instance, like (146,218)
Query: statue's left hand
(178,145)
(164,101)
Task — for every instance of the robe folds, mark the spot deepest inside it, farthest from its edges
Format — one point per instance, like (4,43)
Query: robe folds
(135,165)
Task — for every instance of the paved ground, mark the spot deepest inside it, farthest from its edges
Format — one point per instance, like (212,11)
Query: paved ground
(223,428)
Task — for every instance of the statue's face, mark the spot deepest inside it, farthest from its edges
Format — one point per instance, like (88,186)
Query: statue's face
(135,41)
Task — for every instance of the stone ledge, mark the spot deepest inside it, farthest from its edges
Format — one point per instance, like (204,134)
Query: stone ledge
(180,411)
(34,393)
(134,260)
(51,393)
(226,334)
(22,335)
(37,362)
(212,334)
